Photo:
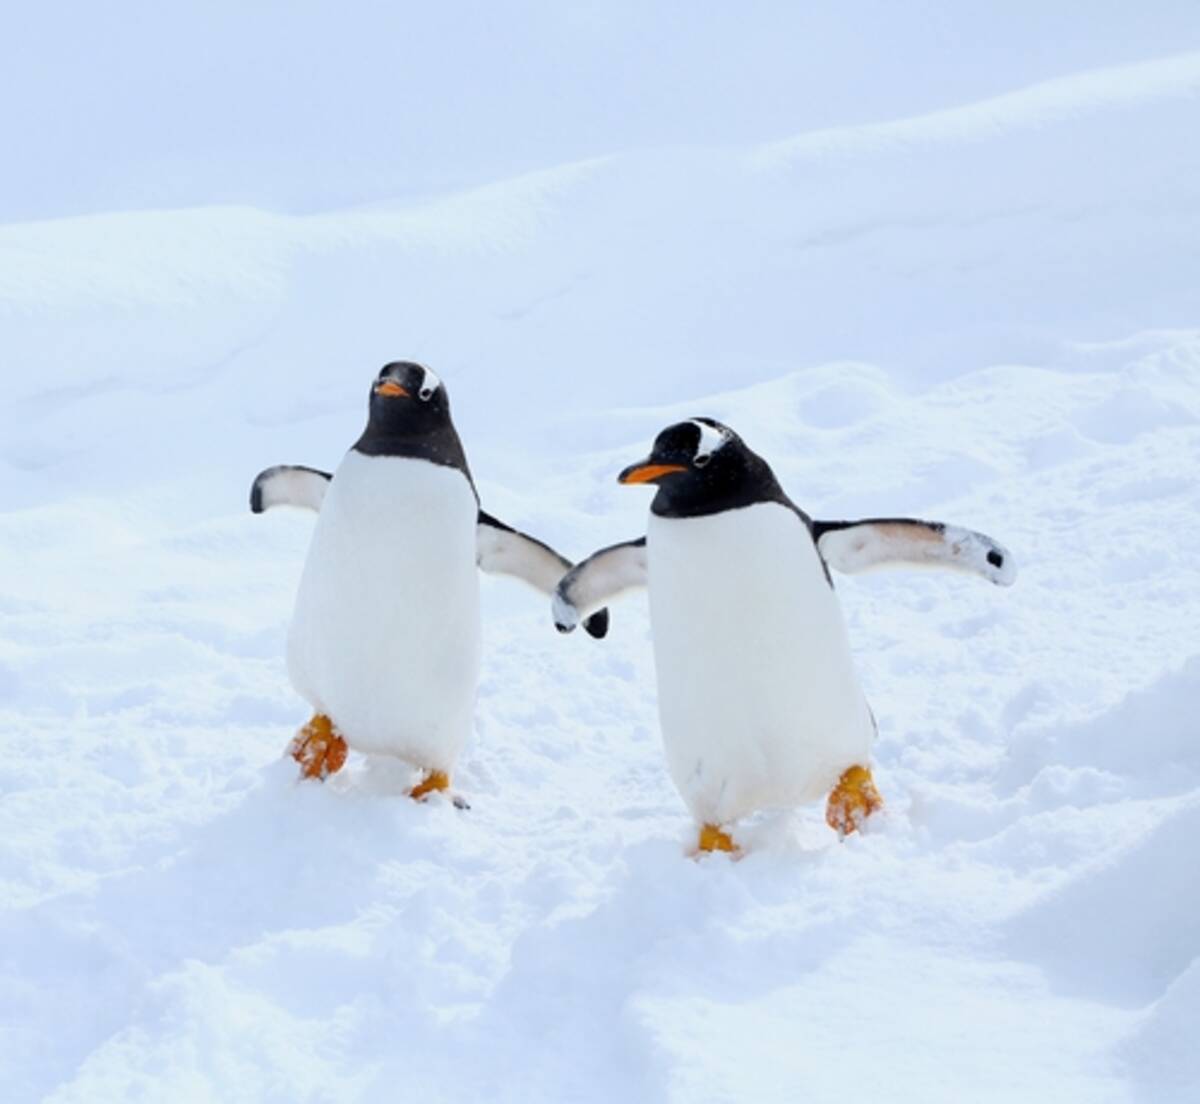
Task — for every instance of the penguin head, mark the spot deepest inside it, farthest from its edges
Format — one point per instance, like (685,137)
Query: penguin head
(408,399)
(700,465)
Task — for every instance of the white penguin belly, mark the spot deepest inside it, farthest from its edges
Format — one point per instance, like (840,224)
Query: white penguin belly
(385,638)
(758,698)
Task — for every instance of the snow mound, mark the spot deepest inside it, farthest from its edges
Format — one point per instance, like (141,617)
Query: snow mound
(1146,740)
(1162,1053)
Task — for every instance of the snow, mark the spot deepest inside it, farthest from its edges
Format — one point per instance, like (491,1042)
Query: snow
(969,295)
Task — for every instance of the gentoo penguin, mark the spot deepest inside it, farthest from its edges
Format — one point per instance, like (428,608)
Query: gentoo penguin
(758,699)
(385,638)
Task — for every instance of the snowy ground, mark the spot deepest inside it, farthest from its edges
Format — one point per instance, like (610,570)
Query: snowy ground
(990,315)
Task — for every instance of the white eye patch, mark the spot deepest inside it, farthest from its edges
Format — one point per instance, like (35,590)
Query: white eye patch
(430,383)
(711,439)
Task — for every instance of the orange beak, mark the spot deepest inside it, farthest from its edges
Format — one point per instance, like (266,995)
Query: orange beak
(391,389)
(648,473)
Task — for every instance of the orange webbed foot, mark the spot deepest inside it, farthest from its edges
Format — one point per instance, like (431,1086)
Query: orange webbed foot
(714,838)
(319,748)
(853,799)
(434,781)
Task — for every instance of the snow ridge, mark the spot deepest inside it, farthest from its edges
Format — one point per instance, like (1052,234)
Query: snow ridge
(1042,104)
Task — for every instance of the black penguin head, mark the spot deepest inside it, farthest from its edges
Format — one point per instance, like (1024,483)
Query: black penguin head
(410,417)
(407,400)
(702,467)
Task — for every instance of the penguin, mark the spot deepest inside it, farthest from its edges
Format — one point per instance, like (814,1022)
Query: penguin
(384,642)
(759,702)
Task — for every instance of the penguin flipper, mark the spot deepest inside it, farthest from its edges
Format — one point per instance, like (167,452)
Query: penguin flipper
(854,546)
(288,485)
(598,579)
(503,550)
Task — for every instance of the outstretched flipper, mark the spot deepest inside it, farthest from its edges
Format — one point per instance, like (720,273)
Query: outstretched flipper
(288,485)
(503,550)
(599,579)
(853,546)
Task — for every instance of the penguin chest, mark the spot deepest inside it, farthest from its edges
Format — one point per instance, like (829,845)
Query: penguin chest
(385,635)
(758,698)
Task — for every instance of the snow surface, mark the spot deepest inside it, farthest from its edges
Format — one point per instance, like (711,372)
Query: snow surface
(987,313)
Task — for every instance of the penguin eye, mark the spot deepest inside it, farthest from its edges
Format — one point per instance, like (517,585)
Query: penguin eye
(702,459)
(425,394)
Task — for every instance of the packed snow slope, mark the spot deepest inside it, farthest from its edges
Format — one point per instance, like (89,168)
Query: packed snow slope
(989,315)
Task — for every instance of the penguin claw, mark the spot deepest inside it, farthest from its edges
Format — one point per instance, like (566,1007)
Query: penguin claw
(852,801)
